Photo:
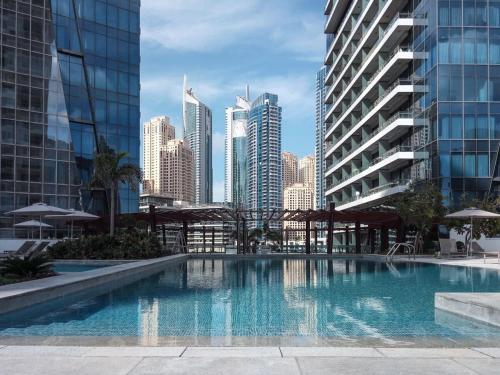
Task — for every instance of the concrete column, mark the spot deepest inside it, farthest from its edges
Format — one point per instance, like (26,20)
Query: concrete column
(308,237)
(358,237)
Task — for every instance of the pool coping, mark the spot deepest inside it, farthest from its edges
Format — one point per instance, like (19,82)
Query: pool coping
(19,295)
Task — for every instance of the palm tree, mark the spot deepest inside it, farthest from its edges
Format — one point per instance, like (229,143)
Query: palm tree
(254,237)
(109,170)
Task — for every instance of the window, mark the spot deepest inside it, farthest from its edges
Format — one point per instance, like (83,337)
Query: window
(470,165)
(456,165)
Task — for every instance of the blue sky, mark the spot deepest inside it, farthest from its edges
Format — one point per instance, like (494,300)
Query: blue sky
(222,45)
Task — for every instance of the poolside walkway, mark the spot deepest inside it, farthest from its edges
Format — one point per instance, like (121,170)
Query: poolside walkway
(76,360)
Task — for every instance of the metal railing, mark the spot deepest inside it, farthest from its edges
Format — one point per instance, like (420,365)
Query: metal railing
(408,248)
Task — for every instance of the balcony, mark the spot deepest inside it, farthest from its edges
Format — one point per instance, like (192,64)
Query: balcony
(392,160)
(389,131)
(394,32)
(389,101)
(353,32)
(335,15)
(375,196)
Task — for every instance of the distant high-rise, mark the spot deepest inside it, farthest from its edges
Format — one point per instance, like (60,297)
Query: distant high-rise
(197,119)
(168,162)
(298,197)
(235,151)
(290,169)
(307,171)
(320,138)
(264,158)
(157,132)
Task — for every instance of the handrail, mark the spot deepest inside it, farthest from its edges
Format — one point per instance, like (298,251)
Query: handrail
(397,246)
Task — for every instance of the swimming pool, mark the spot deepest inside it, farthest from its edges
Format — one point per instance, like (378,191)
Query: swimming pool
(266,297)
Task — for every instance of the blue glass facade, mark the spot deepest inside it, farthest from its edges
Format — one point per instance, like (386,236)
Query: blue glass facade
(462,101)
(264,158)
(70,86)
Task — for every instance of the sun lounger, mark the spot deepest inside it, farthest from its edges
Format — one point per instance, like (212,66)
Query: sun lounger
(478,250)
(449,249)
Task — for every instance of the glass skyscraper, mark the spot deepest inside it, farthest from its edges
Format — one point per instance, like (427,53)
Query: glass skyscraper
(462,101)
(197,118)
(320,138)
(235,151)
(70,87)
(264,158)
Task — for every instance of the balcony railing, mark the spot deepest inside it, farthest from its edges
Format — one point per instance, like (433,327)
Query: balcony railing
(378,189)
(377,160)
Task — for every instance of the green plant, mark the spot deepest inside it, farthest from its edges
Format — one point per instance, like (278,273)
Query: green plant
(129,244)
(109,171)
(27,268)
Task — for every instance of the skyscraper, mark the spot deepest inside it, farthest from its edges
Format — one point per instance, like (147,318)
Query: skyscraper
(320,138)
(307,171)
(197,119)
(70,87)
(264,157)
(416,99)
(298,197)
(290,169)
(157,132)
(168,162)
(235,147)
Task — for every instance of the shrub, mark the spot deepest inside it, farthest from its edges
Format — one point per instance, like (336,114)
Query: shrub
(27,268)
(130,244)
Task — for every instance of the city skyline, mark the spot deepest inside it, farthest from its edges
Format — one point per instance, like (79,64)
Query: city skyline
(171,48)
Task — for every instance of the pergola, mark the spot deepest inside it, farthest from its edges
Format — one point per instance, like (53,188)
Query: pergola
(370,220)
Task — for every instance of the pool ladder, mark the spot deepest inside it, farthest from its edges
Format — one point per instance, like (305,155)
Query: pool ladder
(409,247)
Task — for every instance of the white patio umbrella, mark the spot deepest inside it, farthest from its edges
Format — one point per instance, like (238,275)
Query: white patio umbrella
(39,210)
(74,216)
(472,213)
(32,224)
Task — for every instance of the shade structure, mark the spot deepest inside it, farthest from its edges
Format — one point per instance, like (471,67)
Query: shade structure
(39,210)
(32,224)
(472,213)
(73,216)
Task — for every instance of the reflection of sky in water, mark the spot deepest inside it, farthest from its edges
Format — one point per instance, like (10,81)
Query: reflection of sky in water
(341,298)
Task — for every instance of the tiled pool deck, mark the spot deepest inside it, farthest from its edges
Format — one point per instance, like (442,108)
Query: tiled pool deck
(246,360)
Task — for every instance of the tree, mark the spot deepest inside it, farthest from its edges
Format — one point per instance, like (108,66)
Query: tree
(419,207)
(109,171)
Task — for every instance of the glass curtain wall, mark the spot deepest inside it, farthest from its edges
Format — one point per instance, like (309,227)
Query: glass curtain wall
(462,102)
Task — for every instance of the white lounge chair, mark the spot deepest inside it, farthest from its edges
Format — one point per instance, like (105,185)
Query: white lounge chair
(478,250)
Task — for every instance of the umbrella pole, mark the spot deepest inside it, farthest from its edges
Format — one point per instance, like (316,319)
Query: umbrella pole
(71,237)
(40,226)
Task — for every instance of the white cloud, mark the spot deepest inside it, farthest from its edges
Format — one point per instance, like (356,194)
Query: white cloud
(207,25)
(218,191)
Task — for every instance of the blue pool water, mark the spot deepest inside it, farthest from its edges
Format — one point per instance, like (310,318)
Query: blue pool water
(339,298)
(73,267)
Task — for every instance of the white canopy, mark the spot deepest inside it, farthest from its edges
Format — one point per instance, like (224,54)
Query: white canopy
(73,216)
(39,209)
(474,213)
(32,224)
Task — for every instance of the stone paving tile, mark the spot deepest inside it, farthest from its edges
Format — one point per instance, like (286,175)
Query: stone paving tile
(224,352)
(136,351)
(329,352)
(67,365)
(381,366)
(430,353)
(492,352)
(42,351)
(481,366)
(219,366)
